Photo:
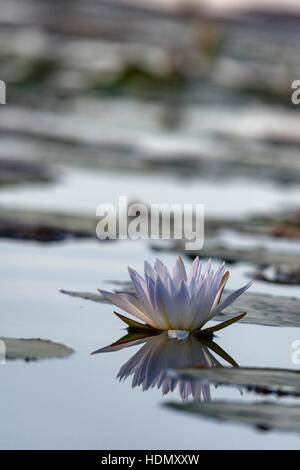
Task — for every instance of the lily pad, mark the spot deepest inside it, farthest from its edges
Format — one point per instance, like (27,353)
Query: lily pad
(261,309)
(86,296)
(259,256)
(216,249)
(263,415)
(32,224)
(33,349)
(14,171)
(279,275)
(279,381)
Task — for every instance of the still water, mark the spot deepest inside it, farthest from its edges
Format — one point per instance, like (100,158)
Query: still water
(77,402)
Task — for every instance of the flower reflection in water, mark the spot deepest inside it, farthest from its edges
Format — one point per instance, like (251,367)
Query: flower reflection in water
(151,366)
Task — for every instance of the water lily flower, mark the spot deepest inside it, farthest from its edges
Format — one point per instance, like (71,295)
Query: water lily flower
(177,303)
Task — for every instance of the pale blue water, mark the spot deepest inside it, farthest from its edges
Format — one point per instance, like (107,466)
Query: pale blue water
(77,402)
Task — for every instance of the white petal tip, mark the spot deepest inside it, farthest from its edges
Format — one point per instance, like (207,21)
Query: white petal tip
(178,334)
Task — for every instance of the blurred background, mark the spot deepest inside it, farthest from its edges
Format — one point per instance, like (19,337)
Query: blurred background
(163,101)
(166,101)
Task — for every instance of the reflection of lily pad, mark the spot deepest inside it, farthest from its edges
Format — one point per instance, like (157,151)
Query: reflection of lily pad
(263,415)
(32,349)
(261,309)
(280,381)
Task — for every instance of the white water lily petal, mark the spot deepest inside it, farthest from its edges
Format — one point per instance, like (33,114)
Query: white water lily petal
(230,299)
(127,305)
(140,288)
(196,307)
(162,271)
(207,268)
(182,316)
(162,303)
(156,313)
(149,271)
(133,300)
(193,271)
(154,308)
(179,272)
(220,290)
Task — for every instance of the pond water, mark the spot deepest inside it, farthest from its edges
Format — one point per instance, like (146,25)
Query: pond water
(77,402)
(82,191)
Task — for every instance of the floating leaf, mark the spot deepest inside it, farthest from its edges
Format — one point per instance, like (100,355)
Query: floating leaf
(32,349)
(262,309)
(94,297)
(45,226)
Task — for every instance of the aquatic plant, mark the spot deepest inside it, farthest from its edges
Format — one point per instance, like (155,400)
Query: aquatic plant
(177,302)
